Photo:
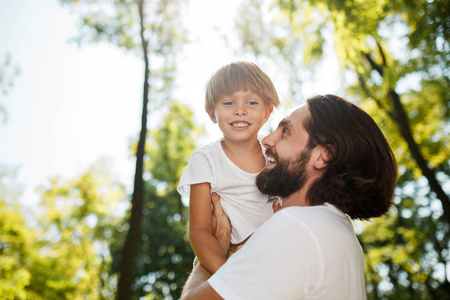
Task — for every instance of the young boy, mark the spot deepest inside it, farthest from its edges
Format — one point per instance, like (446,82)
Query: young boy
(239,98)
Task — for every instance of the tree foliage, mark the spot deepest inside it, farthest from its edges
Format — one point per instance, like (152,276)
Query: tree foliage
(118,22)
(165,256)
(75,248)
(8,72)
(16,242)
(67,253)
(394,56)
(81,222)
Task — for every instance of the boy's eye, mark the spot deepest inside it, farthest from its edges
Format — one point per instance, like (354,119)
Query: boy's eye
(252,102)
(228,103)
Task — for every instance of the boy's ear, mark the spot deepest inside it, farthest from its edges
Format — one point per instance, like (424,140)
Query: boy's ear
(211,115)
(268,112)
(322,157)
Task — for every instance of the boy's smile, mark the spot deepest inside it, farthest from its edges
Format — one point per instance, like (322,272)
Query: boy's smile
(240,124)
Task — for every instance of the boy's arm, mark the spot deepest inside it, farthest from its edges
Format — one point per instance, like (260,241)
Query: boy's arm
(211,254)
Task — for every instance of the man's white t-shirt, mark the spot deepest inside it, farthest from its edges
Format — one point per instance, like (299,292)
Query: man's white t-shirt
(241,200)
(299,253)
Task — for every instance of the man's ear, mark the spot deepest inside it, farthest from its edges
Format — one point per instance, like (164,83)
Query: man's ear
(211,115)
(268,112)
(322,157)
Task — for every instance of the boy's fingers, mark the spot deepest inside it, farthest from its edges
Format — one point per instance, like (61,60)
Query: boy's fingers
(215,199)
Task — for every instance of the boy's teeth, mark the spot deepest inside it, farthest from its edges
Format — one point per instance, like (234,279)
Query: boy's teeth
(240,124)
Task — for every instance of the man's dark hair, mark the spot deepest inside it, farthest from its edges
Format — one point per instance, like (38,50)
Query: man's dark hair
(361,174)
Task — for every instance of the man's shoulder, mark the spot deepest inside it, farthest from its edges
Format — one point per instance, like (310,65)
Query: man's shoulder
(325,218)
(312,212)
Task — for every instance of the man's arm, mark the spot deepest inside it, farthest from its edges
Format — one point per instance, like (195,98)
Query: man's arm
(196,286)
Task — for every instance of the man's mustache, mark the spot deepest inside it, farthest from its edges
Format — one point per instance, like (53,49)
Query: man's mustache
(270,152)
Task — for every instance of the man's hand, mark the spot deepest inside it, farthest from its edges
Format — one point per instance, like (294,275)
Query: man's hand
(221,224)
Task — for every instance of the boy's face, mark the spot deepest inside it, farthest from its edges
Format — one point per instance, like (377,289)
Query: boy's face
(240,115)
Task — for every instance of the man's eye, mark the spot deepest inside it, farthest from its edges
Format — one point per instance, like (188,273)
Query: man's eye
(285,131)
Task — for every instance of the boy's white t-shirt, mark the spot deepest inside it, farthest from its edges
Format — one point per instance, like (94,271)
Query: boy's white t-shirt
(241,200)
(308,253)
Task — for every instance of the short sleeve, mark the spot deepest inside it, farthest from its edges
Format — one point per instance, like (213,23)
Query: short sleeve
(198,170)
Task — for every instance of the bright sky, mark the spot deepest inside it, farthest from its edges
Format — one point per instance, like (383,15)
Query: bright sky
(71,105)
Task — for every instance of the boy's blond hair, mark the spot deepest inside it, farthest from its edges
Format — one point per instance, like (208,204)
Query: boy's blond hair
(236,76)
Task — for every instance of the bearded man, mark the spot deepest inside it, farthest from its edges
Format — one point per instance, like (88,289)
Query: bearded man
(327,162)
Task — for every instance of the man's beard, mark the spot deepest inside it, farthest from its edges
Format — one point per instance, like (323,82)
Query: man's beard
(286,178)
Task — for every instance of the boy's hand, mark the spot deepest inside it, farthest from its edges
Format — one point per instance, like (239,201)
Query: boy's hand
(221,224)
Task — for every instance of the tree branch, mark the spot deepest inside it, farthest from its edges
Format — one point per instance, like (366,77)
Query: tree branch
(363,85)
(405,131)
(383,57)
(373,64)
(402,121)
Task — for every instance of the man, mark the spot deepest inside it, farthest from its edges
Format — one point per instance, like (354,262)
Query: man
(328,159)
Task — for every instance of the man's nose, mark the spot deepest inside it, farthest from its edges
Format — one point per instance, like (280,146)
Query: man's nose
(269,140)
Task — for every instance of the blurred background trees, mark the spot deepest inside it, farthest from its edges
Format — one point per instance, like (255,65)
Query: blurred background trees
(8,72)
(165,257)
(155,37)
(66,253)
(75,250)
(394,62)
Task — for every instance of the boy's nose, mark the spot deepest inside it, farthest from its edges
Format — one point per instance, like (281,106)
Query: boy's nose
(240,110)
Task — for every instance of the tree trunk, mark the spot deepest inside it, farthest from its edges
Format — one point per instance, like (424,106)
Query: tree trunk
(127,264)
